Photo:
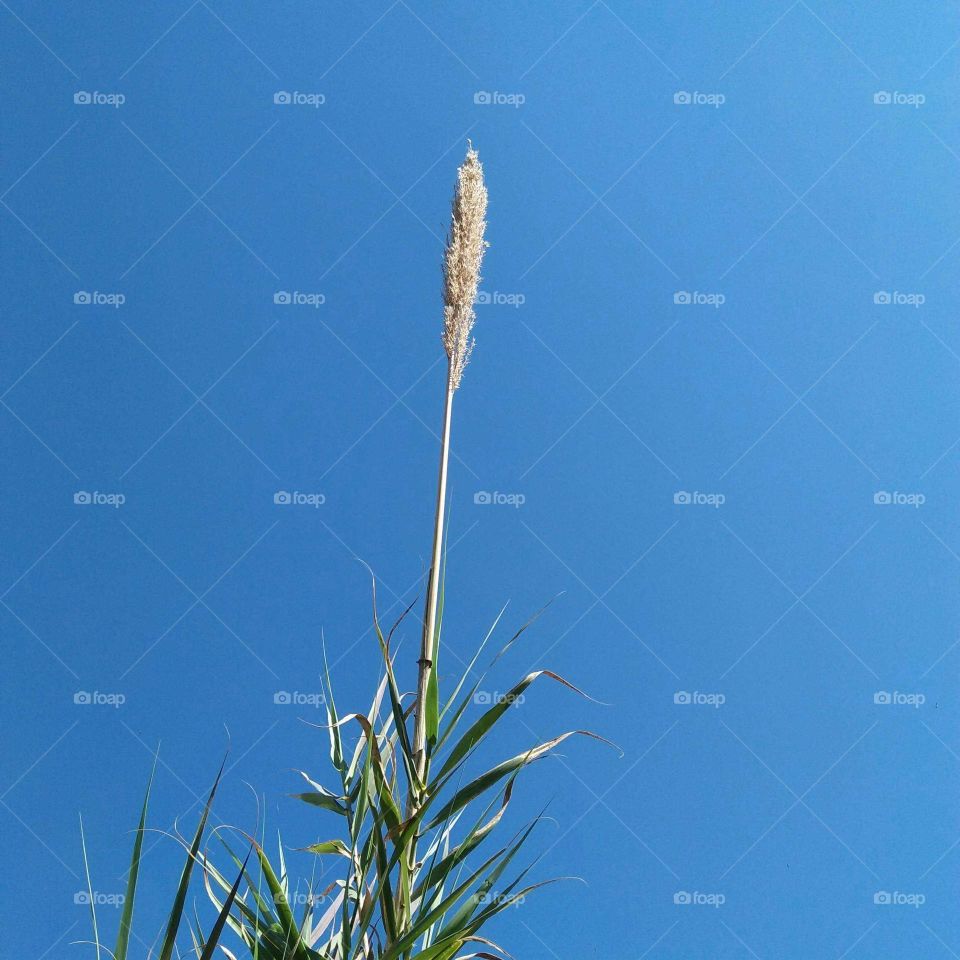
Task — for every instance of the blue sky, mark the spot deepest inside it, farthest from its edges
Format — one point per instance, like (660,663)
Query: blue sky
(714,392)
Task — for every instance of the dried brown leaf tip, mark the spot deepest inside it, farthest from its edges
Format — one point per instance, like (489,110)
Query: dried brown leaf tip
(461,263)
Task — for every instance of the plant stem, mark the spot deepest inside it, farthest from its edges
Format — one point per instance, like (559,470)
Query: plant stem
(428,641)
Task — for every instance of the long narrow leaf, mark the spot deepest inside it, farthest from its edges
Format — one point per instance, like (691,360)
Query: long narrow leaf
(495,774)
(173,924)
(217,929)
(484,723)
(93,905)
(126,918)
(288,923)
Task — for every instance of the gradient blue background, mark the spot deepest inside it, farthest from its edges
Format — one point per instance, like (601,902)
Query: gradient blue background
(597,398)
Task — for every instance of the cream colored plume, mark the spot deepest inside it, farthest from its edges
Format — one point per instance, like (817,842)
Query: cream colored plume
(461,275)
(461,263)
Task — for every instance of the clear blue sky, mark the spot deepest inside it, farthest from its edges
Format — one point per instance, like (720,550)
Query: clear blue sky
(684,298)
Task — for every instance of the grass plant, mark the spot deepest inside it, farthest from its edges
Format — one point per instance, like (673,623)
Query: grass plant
(416,839)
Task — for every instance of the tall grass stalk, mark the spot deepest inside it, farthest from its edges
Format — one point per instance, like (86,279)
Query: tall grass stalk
(461,277)
(406,825)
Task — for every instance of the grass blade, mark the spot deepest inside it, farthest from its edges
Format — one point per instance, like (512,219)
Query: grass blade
(224,913)
(93,906)
(126,919)
(173,924)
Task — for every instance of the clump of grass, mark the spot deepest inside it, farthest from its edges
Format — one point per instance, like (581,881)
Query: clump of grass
(419,875)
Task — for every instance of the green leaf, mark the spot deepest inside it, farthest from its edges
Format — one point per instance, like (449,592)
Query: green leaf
(495,774)
(288,923)
(431,713)
(93,906)
(325,801)
(217,929)
(329,846)
(391,810)
(484,723)
(395,699)
(420,925)
(386,894)
(472,663)
(173,924)
(246,913)
(336,747)
(465,702)
(457,924)
(126,918)
(361,741)
(438,872)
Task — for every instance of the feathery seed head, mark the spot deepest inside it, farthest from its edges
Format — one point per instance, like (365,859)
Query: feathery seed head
(461,263)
